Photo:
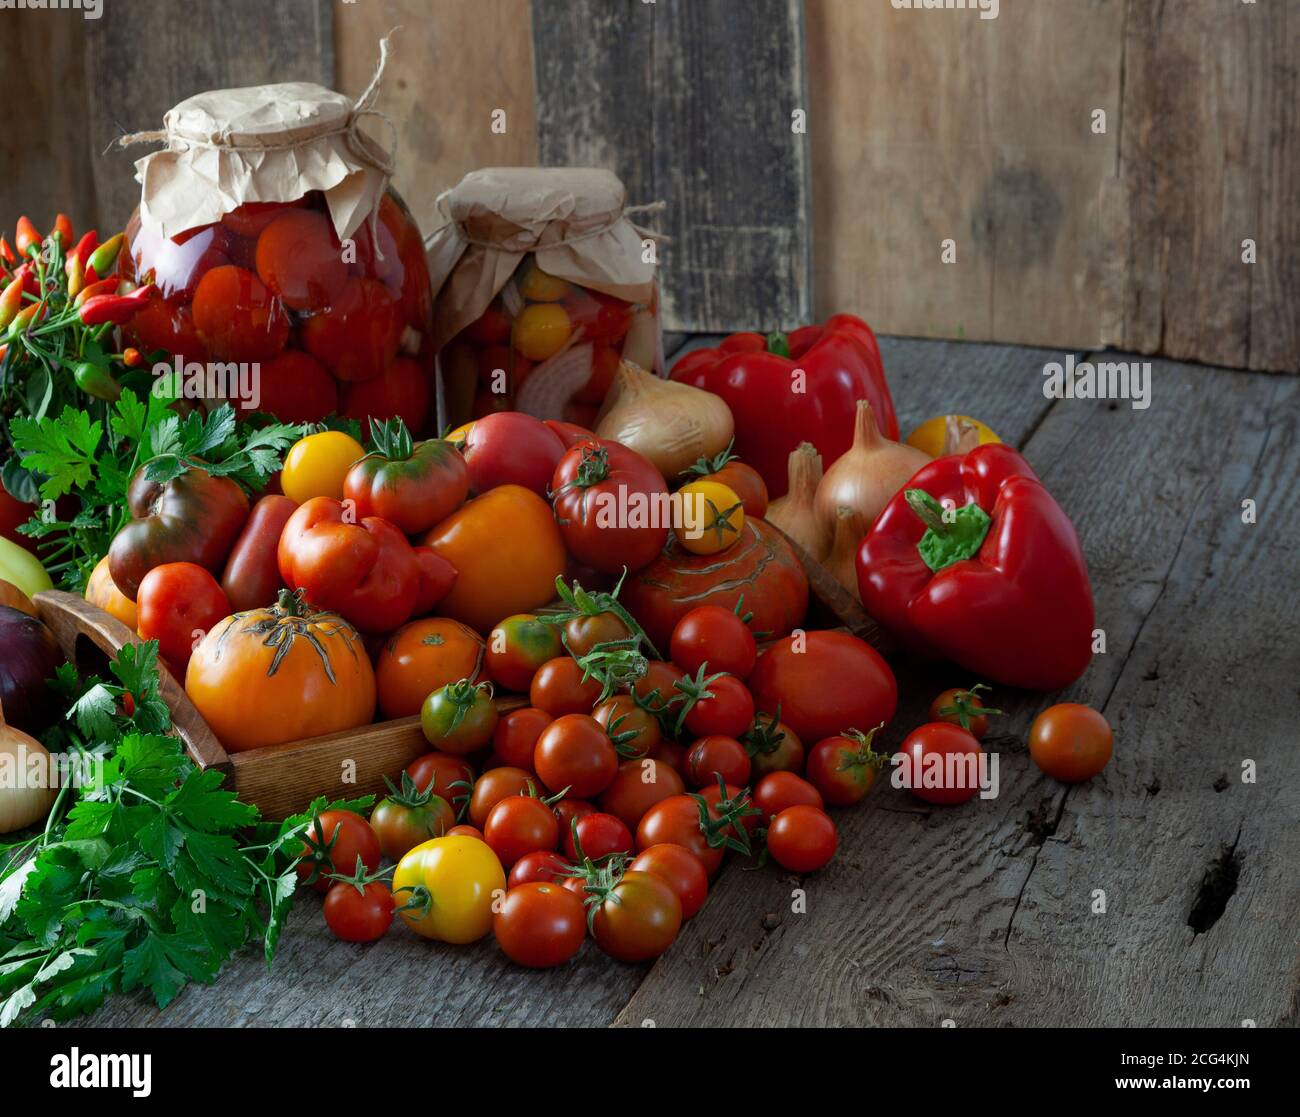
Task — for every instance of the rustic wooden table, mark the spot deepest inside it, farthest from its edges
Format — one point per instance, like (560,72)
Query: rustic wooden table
(1164,892)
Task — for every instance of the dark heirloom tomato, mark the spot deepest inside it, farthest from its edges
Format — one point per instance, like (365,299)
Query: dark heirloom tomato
(517,648)
(252,575)
(611,505)
(193,518)
(760,566)
(411,485)
(824,683)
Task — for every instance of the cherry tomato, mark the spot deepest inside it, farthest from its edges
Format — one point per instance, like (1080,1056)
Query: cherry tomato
(541,330)
(518,825)
(802,839)
(177,604)
(676,821)
(465,831)
(542,866)
(735,801)
(779,790)
(237,317)
(583,633)
(406,818)
(714,756)
(496,784)
(359,915)
(599,834)
(450,777)
(1070,742)
(566,810)
(300,260)
(333,841)
(964,708)
(724,707)
(716,636)
(713,515)
(639,919)
(574,753)
(538,286)
(516,735)
(358,336)
(681,870)
(635,729)
(559,689)
(540,925)
(638,786)
(843,768)
(460,717)
(517,647)
(773,747)
(942,763)
(672,754)
(660,676)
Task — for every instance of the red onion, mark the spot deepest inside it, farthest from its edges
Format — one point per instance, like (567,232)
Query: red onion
(29,655)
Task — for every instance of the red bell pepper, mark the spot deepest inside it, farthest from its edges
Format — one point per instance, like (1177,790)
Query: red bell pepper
(775,410)
(365,570)
(974,561)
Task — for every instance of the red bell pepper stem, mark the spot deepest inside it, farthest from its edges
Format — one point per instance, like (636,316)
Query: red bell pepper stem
(947,540)
(778,342)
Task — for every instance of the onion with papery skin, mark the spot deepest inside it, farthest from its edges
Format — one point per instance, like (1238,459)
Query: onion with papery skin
(796,513)
(24,762)
(29,655)
(671,424)
(13,597)
(868,475)
(841,563)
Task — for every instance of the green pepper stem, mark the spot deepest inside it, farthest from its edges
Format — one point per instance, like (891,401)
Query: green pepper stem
(778,342)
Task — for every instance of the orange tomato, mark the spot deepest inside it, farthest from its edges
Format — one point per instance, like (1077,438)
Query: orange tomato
(1071,742)
(422,656)
(281,674)
(508,552)
(102,591)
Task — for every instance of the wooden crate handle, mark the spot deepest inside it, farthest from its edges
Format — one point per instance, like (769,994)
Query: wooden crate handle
(77,624)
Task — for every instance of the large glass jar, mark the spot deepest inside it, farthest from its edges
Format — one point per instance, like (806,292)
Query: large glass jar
(318,326)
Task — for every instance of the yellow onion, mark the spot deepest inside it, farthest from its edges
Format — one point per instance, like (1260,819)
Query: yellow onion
(795,513)
(867,475)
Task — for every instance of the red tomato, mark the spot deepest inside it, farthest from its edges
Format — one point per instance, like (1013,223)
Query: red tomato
(603,318)
(802,839)
(673,754)
(558,688)
(566,810)
(599,835)
(516,735)
(359,915)
(237,317)
(824,683)
(295,388)
(724,706)
(843,768)
(358,336)
(639,919)
(517,647)
(177,604)
(773,747)
(677,821)
(252,217)
(660,677)
(542,866)
(779,790)
(332,843)
(717,637)
(409,818)
(465,831)
(681,870)
(584,632)
(575,754)
(734,801)
(1070,742)
(496,784)
(941,763)
(570,433)
(635,729)
(519,825)
(492,327)
(637,787)
(715,756)
(607,502)
(300,260)
(964,708)
(450,777)
(405,391)
(540,925)
(511,448)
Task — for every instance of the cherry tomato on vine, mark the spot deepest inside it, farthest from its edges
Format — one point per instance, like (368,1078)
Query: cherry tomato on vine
(332,843)
(540,924)
(844,767)
(1071,742)
(583,633)
(575,754)
(773,747)
(634,728)
(717,704)
(359,914)
(779,790)
(707,829)
(680,869)
(941,763)
(496,784)
(716,636)
(802,839)
(599,835)
(716,755)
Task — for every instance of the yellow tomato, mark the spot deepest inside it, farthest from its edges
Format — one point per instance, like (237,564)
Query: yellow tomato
(22,568)
(713,517)
(460,876)
(460,434)
(102,591)
(317,465)
(930,437)
(538,287)
(541,330)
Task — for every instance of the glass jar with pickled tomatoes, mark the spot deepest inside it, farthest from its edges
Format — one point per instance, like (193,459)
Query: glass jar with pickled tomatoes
(333,326)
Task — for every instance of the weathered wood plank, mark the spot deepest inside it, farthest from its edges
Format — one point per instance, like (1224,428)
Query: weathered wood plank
(1209,158)
(453,65)
(692,104)
(144,57)
(924,915)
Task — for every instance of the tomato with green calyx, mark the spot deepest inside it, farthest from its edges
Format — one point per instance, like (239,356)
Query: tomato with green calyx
(635,918)
(540,924)
(681,870)
(410,815)
(707,829)
(517,647)
(332,844)
(595,836)
(1070,742)
(964,708)
(521,824)
(496,784)
(843,768)
(449,777)
(716,637)
(802,839)
(714,704)
(542,866)
(576,754)
(582,634)
(773,746)
(359,912)
(459,717)
(742,479)
(559,688)
(412,485)
(634,729)
(713,518)
(447,887)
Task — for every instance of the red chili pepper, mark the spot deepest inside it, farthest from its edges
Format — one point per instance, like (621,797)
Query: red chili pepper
(775,409)
(974,561)
(63,226)
(95,289)
(105,256)
(4,352)
(11,302)
(85,246)
(7,252)
(26,236)
(117,309)
(31,281)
